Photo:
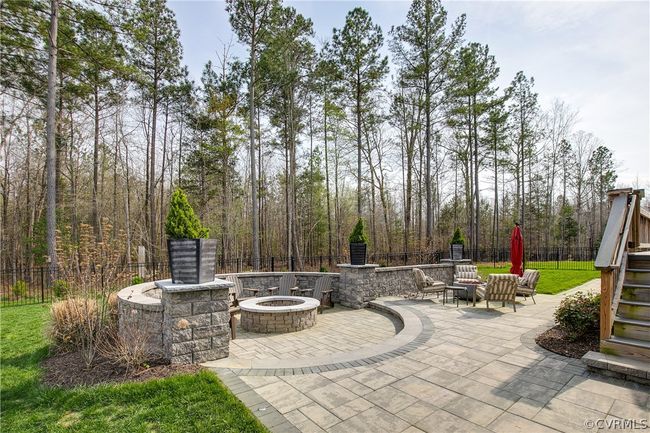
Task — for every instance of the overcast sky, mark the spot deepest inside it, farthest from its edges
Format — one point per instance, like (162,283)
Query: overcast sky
(594,55)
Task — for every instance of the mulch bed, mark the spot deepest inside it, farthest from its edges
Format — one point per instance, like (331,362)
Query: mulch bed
(67,370)
(557,341)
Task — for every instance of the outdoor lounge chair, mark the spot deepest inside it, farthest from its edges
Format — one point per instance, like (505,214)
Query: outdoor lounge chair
(527,284)
(499,287)
(426,284)
(287,287)
(467,274)
(233,305)
(240,290)
(322,291)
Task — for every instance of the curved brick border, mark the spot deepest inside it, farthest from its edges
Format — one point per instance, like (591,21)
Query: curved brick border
(418,328)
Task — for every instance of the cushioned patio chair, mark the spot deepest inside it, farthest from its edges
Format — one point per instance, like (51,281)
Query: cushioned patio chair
(499,287)
(321,292)
(241,292)
(426,284)
(467,274)
(527,284)
(287,287)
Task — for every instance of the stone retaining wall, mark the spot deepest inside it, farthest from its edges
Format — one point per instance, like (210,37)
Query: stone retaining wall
(362,284)
(140,312)
(183,324)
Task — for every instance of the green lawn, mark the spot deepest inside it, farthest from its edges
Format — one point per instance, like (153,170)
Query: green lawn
(551,281)
(186,403)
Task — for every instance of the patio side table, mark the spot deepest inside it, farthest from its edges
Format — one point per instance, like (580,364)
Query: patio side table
(456,290)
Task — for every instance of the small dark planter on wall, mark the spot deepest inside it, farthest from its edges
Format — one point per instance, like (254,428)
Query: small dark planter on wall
(192,261)
(456,251)
(358,253)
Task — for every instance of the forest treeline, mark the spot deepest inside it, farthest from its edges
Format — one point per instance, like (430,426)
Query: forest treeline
(282,149)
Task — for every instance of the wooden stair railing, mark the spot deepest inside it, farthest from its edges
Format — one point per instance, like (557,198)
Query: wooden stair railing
(623,233)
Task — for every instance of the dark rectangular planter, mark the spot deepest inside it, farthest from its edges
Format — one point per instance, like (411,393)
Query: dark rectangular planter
(358,253)
(192,261)
(456,251)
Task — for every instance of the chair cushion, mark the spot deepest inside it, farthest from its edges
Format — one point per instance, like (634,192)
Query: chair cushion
(468,280)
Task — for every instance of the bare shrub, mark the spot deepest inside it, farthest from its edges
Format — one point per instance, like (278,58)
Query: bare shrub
(128,347)
(92,270)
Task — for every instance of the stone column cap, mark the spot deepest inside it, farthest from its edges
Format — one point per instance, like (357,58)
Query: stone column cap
(366,266)
(169,287)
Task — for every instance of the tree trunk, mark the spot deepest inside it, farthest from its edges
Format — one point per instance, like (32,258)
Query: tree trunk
(51,145)
(255,210)
(95,212)
(327,187)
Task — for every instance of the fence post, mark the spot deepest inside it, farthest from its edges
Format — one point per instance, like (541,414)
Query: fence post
(557,259)
(238,264)
(42,285)
(272,264)
(292,264)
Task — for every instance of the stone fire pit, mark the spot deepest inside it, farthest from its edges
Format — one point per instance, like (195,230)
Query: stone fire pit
(269,314)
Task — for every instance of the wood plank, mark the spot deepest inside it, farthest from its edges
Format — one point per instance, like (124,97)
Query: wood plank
(611,236)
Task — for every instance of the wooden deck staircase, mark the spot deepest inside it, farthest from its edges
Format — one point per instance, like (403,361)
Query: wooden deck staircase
(624,262)
(631,332)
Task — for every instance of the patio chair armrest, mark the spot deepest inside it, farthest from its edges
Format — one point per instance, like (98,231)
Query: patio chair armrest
(294,289)
(272,289)
(249,289)
(327,291)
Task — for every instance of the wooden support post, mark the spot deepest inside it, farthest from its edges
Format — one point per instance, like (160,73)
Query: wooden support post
(607,282)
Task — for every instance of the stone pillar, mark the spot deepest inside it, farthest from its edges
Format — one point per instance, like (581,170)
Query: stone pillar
(195,321)
(357,284)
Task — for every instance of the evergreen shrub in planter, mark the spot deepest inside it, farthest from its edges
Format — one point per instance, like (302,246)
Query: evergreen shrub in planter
(192,257)
(457,247)
(358,244)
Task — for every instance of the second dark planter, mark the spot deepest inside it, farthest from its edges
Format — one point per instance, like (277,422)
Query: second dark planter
(192,261)
(358,253)
(456,251)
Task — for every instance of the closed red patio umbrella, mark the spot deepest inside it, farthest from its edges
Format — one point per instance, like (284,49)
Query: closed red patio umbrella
(517,251)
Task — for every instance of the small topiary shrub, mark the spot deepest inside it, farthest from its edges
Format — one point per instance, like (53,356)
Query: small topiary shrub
(60,289)
(578,314)
(358,235)
(322,269)
(137,279)
(19,289)
(182,223)
(457,238)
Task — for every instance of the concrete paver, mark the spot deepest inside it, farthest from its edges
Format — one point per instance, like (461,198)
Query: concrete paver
(465,369)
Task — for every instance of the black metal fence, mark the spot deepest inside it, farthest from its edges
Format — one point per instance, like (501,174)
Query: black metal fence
(21,286)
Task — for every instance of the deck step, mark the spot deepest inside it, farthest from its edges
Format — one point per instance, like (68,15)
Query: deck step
(636,292)
(638,310)
(638,261)
(637,276)
(626,347)
(634,310)
(632,328)
(627,368)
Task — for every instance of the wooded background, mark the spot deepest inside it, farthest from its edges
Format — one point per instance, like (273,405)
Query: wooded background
(281,151)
